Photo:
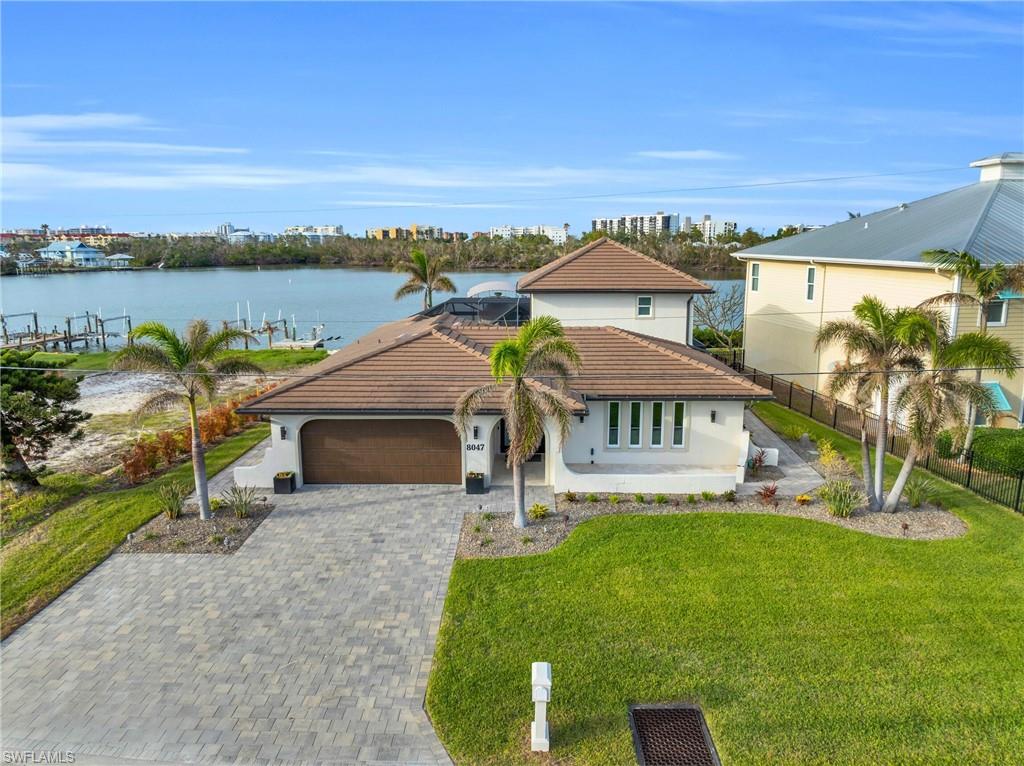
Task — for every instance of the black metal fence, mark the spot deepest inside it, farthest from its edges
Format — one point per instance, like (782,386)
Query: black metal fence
(992,479)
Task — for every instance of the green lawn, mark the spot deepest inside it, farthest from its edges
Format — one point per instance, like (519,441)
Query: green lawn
(42,563)
(56,489)
(805,643)
(270,359)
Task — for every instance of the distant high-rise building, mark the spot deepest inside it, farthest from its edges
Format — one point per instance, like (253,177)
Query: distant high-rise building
(415,231)
(638,225)
(710,228)
(320,231)
(226,228)
(557,234)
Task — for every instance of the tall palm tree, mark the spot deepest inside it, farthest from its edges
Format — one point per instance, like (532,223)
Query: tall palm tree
(934,398)
(857,380)
(197,363)
(884,345)
(985,285)
(426,275)
(538,350)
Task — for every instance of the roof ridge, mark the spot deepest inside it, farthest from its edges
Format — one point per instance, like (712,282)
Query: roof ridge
(996,189)
(558,263)
(657,345)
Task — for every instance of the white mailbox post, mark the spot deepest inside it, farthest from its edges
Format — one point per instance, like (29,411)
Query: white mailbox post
(539,738)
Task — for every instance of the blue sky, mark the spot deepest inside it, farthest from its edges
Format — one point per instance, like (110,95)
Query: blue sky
(175,117)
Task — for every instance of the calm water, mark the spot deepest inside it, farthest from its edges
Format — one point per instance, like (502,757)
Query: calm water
(349,302)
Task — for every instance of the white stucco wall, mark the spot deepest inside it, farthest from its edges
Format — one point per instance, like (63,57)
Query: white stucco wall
(286,454)
(670,319)
(711,459)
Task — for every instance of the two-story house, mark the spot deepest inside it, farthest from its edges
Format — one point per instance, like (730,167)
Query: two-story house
(797,284)
(651,413)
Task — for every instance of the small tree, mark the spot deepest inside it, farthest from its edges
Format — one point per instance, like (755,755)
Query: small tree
(539,349)
(426,275)
(197,363)
(34,410)
(885,343)
(935,398)
(721,313)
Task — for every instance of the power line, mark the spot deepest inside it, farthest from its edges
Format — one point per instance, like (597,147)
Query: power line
(559,198)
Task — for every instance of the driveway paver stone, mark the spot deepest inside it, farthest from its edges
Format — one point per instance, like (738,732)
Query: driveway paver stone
(311,644)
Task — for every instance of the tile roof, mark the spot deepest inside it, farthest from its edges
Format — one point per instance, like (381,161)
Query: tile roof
(986,219)
(425,370)
(607,266)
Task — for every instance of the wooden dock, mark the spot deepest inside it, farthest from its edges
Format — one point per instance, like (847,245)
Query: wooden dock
(92,332)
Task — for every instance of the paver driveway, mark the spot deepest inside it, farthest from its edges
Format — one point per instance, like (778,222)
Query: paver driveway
(312,643)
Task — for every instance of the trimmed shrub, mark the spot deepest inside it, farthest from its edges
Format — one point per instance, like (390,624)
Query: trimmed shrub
(919,490)
(171,498)
(841,497)
(170,445)
(140,460)
(240,500)
(537,511)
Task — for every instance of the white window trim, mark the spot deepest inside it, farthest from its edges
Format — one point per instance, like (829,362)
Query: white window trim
(640,430)
(1001,322)
(686,415)
(608,427)
(637,307)
(755,277)
(661,437)
(809,285)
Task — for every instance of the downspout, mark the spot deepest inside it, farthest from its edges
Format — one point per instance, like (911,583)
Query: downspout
(954,310)
(689,321)
(821,317)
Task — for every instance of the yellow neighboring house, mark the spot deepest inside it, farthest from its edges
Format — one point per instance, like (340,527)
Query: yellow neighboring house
(795,285)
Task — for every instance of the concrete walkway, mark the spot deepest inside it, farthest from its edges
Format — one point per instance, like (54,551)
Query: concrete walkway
(799,477)
(311,644)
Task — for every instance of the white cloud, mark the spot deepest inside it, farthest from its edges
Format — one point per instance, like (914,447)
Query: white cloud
(688,154)
(33,135)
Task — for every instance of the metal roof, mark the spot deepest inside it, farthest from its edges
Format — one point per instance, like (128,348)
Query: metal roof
(986,219)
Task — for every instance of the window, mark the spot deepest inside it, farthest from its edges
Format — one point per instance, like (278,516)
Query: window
(810,283)
(679,424)
(613,424)
(755,277)
(636,418)
(657,418)
(644,306)
(995,313)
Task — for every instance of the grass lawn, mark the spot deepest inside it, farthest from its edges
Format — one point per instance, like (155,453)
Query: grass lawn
(56,489)
(270,359)
(42,563)
(805,643)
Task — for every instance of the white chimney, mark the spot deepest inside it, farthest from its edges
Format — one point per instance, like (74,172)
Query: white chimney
(999,167)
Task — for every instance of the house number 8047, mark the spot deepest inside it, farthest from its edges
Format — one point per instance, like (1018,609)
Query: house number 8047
(475,447)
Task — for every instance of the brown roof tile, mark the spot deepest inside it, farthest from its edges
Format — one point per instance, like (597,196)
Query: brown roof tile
(426,370)
(607,266)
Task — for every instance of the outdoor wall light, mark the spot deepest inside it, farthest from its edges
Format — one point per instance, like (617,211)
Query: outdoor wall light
(476,432)
(713,415)
(284,432)
(581,418)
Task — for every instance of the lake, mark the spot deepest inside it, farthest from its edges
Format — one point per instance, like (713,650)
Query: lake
(349,302)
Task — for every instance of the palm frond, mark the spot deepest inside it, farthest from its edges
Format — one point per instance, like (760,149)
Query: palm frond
(524,422)
(468,403)
(508,359)
(158,402)
(144,357)
(163,337)
(237,366)
(412,287)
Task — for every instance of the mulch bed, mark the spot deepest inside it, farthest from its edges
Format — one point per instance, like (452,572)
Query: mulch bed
(223,533)
(491,535)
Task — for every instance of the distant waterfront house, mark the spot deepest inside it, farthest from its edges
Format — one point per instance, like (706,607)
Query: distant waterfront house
(650,412)
(796,284)
(73,253)
(119,260)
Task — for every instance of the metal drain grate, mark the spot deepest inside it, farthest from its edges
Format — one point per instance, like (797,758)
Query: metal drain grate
(671,735)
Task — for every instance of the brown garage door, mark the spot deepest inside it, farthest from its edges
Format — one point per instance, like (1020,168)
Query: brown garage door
(381,452)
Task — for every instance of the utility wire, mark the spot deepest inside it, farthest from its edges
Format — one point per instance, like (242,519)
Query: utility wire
(559,198)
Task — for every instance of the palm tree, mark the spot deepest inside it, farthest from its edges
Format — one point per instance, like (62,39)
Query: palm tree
(936,397)
(882,345)
(538,350)
(858,381)
(426,275)
(986,283)
(197,363)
